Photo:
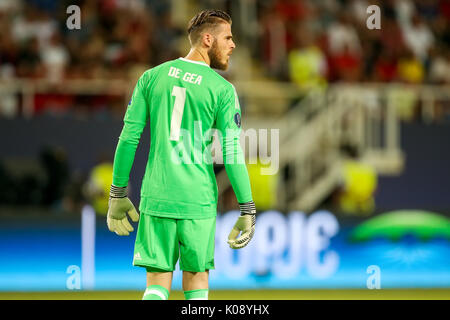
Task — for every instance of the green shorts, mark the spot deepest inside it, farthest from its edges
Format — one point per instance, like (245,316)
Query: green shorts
(161,241)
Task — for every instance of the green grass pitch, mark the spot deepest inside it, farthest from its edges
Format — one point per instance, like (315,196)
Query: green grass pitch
(350,294)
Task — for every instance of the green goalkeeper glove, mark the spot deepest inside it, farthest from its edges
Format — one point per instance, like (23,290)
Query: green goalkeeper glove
(118,207)
(245,224)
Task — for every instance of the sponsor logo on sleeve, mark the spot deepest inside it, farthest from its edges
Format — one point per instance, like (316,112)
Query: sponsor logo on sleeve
(237,119)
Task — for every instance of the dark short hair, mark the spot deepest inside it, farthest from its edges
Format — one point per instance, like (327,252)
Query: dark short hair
(204,20)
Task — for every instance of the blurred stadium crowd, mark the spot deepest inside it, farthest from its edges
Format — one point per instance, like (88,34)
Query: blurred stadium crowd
(113,36)
(321,41)
(311,43)
(329,41)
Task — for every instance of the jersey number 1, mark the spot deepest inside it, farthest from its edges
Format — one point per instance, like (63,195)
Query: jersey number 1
(177,114)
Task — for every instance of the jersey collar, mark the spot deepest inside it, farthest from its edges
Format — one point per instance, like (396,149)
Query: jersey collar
(192,61)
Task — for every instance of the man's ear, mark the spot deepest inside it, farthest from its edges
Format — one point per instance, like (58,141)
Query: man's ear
(207,39)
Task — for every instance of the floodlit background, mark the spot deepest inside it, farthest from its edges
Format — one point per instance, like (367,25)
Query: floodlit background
(350,169)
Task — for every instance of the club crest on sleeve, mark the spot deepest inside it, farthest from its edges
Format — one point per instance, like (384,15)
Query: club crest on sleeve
(237,119)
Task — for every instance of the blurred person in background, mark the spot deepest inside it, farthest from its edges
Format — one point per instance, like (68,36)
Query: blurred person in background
(33,23)
(291,13)
(41,182)
(418,37)
(264,187)
(307,63)
(342,35)
(346,65)
(439,74)
(440,65)
(392,39)
(273,43)
(410,68)
(385,69)
(55,163)
(75,196)
(55,59)
(8,189)
(29,63)
(97,187)
(343,48)
(359,183)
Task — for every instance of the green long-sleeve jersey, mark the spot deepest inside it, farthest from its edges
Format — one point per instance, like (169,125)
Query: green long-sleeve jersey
(185,102)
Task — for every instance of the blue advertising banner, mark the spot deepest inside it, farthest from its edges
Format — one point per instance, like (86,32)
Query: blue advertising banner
(393,250)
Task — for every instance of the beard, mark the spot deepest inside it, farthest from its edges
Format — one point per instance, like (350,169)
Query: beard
(214,58)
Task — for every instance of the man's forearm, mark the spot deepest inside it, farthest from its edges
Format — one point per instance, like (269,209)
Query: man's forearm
(236,170)
(123,161)
(125,152)
(238,175)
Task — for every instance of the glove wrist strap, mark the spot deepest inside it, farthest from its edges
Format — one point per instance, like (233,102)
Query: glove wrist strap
(247,208)
(118,192)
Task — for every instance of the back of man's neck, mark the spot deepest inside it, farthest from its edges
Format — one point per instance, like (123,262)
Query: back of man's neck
(195,55)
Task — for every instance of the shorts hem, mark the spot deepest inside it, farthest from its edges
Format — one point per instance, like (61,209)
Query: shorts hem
(204,269)
(149,266)
(178,216)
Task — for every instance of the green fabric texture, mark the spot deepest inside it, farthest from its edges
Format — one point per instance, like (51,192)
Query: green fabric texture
(185,102)
(199,294)
(160,242)
(156,292)
(123,161)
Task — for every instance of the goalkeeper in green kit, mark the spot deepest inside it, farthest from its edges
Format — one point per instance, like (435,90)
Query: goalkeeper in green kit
(184,100)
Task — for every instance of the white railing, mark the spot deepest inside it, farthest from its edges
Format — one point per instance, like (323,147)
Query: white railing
(365,116)
(21,92)
(25,90)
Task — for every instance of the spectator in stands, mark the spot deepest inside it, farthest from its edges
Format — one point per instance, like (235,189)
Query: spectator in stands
(29,61)
(342,36)
(96,188)
(307,63)
(34,23)
(291,12)
(56,166)
(392,37)
(346,65)
(404,10)
(8,54)
(344,49)
(359,183)
(441,28)
(410,68)
(358,9)
(386,67)
(418,37)
(273,45)
(440,65)
(55,58)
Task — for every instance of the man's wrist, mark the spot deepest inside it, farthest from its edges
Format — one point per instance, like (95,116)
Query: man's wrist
(247,208)
(118,192)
